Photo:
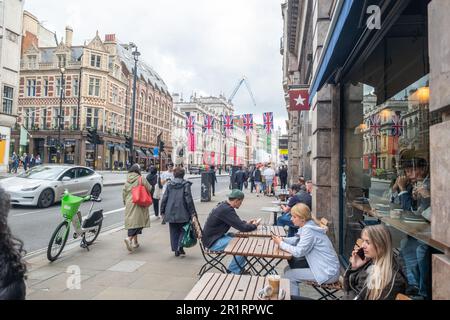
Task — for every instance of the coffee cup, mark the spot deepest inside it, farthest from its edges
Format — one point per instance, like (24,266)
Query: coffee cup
(274,282)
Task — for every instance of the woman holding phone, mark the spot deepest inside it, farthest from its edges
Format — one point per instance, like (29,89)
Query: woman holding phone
(312,243)
(373,273)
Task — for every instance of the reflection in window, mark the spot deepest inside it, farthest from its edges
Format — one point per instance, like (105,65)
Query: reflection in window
(386,164)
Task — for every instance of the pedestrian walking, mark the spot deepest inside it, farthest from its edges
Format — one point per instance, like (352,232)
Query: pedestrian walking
(165,178)
(12,266)
(154,180)
(177,207)
(283,174)
(38,159)
(212,172)
(136,217)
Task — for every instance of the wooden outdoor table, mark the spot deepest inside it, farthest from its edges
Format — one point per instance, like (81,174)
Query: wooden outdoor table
(274,210)
(219,286)
(263,231)
(262,254)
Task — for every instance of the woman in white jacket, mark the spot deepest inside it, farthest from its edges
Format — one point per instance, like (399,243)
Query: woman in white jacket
(312,243)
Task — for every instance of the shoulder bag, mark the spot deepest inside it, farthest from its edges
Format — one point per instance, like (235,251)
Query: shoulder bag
(141,196)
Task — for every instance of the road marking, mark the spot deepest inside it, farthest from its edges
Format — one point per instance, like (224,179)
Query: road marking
(30,212)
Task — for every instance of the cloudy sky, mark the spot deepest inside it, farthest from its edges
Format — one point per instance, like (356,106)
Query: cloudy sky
(201,46)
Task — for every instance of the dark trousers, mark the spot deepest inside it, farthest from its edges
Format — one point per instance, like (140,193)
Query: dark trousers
(283,183)
(213,186)
(156,206)
(176,234)
(252,186)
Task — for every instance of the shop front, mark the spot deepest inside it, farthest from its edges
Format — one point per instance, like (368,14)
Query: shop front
(380,99)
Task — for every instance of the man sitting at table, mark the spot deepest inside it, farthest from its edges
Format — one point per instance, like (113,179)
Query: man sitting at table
(219,222)
(298,195)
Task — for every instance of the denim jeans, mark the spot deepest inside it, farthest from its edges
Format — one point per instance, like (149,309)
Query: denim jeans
(416,255)
(220,245)
(285,220)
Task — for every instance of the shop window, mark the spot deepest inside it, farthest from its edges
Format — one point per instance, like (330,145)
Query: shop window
(387,176)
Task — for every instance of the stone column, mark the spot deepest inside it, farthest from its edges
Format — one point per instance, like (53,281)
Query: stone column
(439,51)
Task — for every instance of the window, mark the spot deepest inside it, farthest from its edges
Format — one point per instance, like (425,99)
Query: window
(95,60)
(91,117)
(8,94)
(55,118)
(113,122)
(61,60)
(94,87)
(60,86)
(32,62)
(46,87)
(75,86)
(73,117)
(84,172)
(31,87)
(29,116)
(115,95)
(43,119)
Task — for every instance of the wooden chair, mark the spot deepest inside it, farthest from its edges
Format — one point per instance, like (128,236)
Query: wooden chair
(401,296)
(213,259)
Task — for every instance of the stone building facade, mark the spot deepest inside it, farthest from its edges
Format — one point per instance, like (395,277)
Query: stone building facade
(379,110)
(97,81)
(10,44)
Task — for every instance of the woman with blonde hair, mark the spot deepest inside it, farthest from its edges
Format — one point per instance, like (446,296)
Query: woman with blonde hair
(312,243)
(373,273)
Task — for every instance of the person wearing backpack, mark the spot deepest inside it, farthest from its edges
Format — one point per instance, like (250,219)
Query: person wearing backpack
(177,207)
(136,216)
(155,181)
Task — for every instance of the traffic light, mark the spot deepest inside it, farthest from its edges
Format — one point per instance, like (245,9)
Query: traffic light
(161,146)
(92,135)
(128,142)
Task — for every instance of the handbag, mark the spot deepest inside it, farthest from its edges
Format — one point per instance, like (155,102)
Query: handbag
(298,263)
(189,239)
(140,195)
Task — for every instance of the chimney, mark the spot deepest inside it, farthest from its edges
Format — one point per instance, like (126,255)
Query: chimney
(69,35)
(111,38)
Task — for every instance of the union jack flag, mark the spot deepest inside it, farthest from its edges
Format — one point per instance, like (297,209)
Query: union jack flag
(248,122)
(397,127)
(228,124)
(208,124)
(375,125)
(268,121)
(190,123)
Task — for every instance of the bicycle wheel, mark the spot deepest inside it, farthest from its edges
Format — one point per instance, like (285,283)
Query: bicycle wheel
(58,241)
(90,236)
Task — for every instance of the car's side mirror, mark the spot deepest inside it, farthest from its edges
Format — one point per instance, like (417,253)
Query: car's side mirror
(66,178)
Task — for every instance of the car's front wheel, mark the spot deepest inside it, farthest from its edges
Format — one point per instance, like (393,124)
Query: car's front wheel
(46,198)
(96,190)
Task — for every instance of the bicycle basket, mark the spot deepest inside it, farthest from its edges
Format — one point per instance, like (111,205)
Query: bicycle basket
(70,205)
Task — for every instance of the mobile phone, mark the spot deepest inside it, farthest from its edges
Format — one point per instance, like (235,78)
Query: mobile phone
(258,221)
(360,253)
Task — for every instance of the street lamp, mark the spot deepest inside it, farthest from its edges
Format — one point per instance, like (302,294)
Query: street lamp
(136,55)
(61,88)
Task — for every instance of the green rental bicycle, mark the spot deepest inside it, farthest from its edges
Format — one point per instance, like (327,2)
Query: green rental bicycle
(88,228)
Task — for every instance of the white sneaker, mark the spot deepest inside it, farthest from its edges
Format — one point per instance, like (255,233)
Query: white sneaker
(128,244)
(135,245)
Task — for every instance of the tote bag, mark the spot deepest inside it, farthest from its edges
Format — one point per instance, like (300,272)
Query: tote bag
(140,195)
(189,239)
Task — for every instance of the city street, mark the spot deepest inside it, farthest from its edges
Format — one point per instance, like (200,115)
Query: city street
(35,226)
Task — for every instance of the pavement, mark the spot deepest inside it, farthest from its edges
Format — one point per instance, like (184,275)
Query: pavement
(152,272)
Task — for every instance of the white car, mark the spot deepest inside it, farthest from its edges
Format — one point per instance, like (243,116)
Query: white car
(44,185)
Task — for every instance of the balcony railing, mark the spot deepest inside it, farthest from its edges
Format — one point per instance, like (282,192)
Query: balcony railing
(47,66)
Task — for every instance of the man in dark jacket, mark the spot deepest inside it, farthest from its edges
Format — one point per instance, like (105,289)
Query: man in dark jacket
(283,174)
(219,222)
(177,207)
(212,172)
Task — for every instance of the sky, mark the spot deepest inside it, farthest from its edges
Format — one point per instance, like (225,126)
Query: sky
(197,46)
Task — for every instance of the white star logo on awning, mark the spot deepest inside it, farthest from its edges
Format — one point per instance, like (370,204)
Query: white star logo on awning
(299,100)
